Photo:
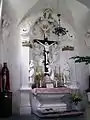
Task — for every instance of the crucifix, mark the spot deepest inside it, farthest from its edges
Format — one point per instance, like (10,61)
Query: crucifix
(46,45)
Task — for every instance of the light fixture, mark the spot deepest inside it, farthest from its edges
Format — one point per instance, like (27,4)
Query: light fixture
(87,33)
(58,30)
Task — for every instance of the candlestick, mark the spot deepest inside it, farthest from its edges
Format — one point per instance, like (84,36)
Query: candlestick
(64,79)
(40,83)
(55,69)
(61,77)
(56,84)
(59,70)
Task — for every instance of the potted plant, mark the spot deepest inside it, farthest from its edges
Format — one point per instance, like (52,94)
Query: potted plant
(86,60)
(39,77)
(76,98)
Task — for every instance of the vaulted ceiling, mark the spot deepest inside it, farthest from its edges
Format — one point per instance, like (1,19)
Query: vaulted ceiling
(23,6)
(75,12)
(85,2)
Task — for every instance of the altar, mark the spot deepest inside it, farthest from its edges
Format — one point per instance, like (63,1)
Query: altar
(53,92)
(53,102)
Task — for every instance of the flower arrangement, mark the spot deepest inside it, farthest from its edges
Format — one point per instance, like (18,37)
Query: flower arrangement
(76,97)
(39,76)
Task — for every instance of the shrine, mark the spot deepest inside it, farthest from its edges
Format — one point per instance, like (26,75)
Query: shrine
(45,59)
(52,89)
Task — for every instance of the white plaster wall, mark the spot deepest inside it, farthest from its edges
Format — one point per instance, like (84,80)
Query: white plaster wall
(21,7)
(11,52)
(81,21)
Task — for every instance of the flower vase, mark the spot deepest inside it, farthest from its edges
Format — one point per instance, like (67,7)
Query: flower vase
(76,106)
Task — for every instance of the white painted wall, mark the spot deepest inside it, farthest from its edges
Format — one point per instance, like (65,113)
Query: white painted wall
(11,52)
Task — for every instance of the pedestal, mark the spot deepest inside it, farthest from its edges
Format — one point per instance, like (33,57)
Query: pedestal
(25,107)
(88,96)
(5,104)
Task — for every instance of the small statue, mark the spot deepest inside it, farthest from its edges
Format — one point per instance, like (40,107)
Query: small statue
(31,73)
(51,74)
(66,72)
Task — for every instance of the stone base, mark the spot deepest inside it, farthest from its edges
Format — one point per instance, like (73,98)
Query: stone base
(25,110)
(88,96)
(25,107)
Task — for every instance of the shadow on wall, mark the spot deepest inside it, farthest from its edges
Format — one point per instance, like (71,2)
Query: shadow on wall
(16,102)
(86,22)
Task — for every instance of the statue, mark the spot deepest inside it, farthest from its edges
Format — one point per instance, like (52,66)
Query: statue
(66,72)
(46,44)
(51,74)
(31,73)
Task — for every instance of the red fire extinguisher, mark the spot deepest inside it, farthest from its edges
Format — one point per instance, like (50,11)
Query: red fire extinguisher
(5,78)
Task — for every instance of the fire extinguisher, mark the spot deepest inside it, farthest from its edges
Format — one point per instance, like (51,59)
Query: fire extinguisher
(5,78)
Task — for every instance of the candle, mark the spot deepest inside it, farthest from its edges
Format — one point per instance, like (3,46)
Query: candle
(61,77)
(64,79)
(40,83)
(59,70)
(56,84)
(55,69)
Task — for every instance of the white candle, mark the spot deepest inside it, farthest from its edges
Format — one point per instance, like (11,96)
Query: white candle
(40,83)
(61,77)
(56,84)
(59,70)
(64,79)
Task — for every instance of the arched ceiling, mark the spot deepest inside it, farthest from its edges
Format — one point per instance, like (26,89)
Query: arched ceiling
(23,6)
(68,9)
(75,12)
(85,2)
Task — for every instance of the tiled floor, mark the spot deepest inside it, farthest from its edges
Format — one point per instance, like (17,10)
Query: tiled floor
(32,117)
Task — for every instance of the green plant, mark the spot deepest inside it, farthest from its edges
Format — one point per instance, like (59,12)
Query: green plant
(79,59)
(39,76)
(76,97)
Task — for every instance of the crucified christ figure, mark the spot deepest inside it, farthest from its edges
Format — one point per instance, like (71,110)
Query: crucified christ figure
(46,44)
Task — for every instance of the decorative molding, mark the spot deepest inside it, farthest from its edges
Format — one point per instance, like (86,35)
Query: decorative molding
(5,25)
(25,89)
(68,48)
(27,44)
(25,31)
(87,34)
(5,22)
(45,23)
(87,40)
